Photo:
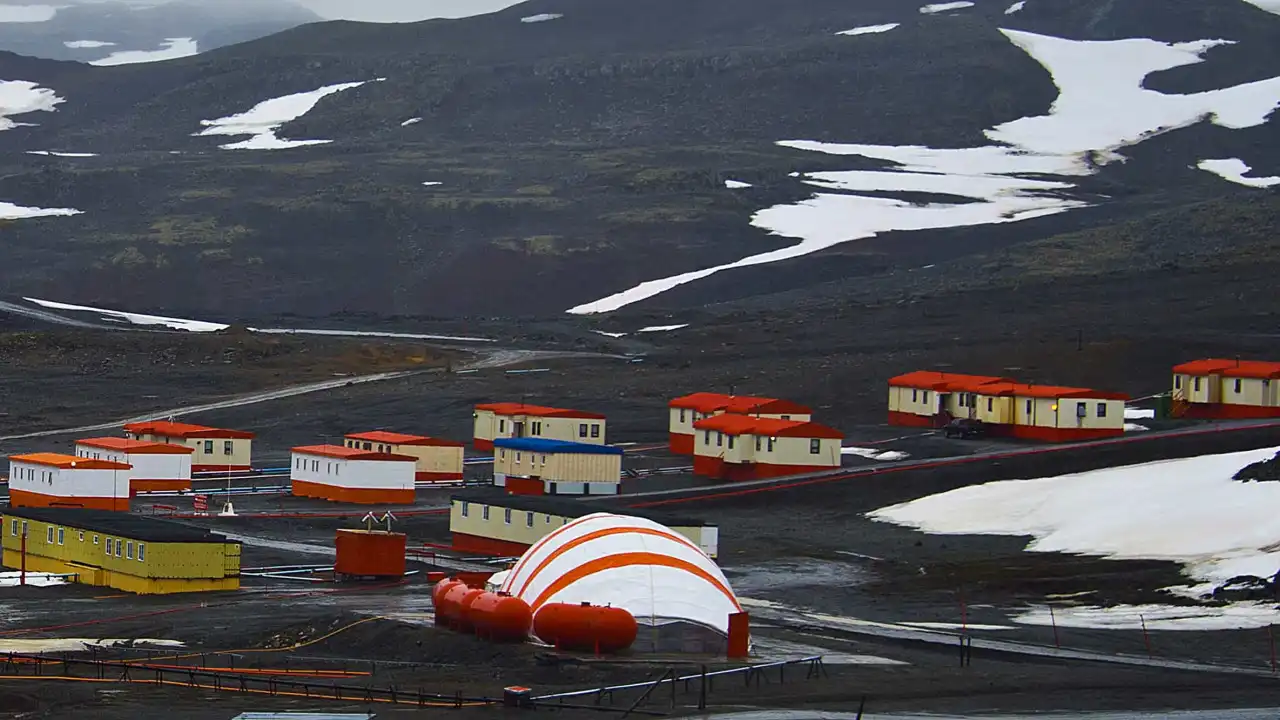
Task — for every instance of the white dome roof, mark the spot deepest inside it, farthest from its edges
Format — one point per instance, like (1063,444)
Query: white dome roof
(648,569)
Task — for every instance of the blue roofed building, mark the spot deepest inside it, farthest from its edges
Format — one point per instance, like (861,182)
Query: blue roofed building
(541,466)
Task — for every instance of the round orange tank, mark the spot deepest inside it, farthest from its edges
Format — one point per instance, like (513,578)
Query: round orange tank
(465,622)
(585,627)
(450,608)
(501,618)
(438,594)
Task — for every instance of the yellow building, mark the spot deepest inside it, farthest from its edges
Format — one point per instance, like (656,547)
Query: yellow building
(533,466)
(506,525)
(437,460)
(216,449)
(518,420)
(1228,389)
(127,552)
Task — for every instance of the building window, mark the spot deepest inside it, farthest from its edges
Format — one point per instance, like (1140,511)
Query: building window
(297,463)
(706,437)
(1082,410)
(990,404)
(1177,382)
(925,396)
(62,536)
(142,551)
(682,416)
(106,547)
(548,519)
(544,459)
(517,457)
(466,508)
(506,516)
(1237,386)
(772,440)
(484,512)
(815,446)
(1102,409)
(595,431)
(129,550)
(13,528)
(719,439)
(528,520)
(1028,408)
(48,536)
(95,539)
(914,397)
(537,428)
(227,447)
(81,537)
(582,430)
(208,447)
(502,426)
(757,444)
(1197,385)
(730,442)
(368,446)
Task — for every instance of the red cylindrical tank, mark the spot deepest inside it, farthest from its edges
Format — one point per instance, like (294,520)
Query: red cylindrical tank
(465,622)
(438,593)
(450,607)
(501,618)
(585,627)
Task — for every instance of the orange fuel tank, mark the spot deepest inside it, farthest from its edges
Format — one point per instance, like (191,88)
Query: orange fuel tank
(465,622)
(438,594)
(585,627)
(450,607)
(501,618)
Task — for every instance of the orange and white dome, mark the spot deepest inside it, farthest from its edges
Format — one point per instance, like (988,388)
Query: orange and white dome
(655,573)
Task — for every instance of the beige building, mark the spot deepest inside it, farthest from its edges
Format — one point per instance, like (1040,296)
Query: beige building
(535,466)
(437,460)
(1216,388)
(740,447)
(507,525)
(684,411)
(518,420)
(215,448)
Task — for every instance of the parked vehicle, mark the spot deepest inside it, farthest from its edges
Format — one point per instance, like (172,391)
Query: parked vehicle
(964,428)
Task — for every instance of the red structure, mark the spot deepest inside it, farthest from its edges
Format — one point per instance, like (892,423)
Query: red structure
(739,645)
(740,447)
(1215,388)
(585,627)
(369,553)
(501,618)
(687,410)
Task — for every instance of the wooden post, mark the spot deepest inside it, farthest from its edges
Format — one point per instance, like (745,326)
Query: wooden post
(1146,638)
(1054,620)
(964,613)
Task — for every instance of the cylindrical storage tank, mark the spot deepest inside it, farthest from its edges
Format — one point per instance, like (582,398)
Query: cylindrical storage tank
(465,622)
(585,627)
(501,618)
(450,607)
(438,593)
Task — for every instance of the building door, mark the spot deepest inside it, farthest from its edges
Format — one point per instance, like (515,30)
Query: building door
(517,429)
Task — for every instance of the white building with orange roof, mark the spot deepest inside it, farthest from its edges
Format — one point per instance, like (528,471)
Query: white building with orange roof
(739,447)
(348,475)
(686,410)
(215,449)
(437,460)
(57,480)
(156,465)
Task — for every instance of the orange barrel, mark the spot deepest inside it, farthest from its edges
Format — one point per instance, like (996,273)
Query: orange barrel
(465,622)
(501,618)
(450,607)
(438,594)
(585,627)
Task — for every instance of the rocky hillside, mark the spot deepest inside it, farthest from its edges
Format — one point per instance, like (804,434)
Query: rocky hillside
(558,153)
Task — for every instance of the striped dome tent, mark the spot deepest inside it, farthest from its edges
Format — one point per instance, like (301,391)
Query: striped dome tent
(655,573)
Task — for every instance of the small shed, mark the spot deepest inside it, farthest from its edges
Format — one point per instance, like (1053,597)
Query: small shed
(537,466)
(347,475)
(215,449)
(156,466)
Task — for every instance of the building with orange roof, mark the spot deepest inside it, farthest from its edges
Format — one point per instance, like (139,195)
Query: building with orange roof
(517,420)
(730,446)
(40,480)
(156,466)
(1053,413)
(438,460)
(689,409)
(1217,388)
(215,449)
(348,475)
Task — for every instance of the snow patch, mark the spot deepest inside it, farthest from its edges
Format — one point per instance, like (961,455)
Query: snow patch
(1271,6)
(84,44)
(1016,7)
(1236,616)
(944,7)
(43,645)
(541,17)
(1191,511)
(12,579)
(609,334)
(1101,106)
(18,97)
(870,454)
(411,121)
(172,49)
(1133,413)
(662,328)
(736,184)
(55,153)
(868,29)
(1235,169)
(263,120)
(9,211)
(27,13)
(432,183)
(957,626)
(1135,427)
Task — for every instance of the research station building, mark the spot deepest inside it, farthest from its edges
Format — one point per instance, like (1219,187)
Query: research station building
(215,449)
(489,523)
(689,409)
(537,466)
(1052,413)
(55,480)
(437,460)
(518,420)
(127,552)
(1217,388)
(154,465)
(740,447)
(346,475)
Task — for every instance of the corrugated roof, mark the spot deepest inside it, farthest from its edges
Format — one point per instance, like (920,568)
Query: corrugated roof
(123,524)
(511,408)
(165,428)
(945,381)
(1259,369)
(708,402)
(68,462)
(141,447)
(395,438)
(345,453)
(547,445)
(566,507)
(732,424)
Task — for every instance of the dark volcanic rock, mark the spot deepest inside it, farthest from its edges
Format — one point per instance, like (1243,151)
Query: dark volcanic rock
(1261,471)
